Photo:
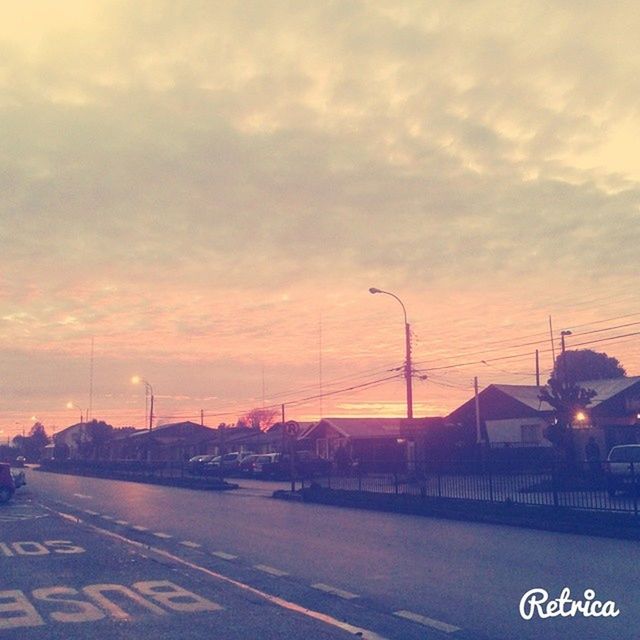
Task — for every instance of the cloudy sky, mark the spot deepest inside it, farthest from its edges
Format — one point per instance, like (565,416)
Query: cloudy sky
(208,189)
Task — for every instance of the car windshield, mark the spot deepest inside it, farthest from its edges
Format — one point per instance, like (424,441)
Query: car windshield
(625,454)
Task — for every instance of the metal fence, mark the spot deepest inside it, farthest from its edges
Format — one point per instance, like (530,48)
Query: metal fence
(585,486)
(143,471)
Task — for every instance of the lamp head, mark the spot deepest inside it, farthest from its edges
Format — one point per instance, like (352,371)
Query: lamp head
(374,290)
(136,379)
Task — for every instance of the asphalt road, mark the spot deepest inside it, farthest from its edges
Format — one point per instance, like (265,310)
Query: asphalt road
(366,567)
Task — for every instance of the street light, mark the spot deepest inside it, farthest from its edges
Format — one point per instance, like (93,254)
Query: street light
(148,392)
(407,341)
(72,405)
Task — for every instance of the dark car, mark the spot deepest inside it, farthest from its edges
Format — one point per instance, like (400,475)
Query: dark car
(623,469)
(196,464)
(307,465)
(7,485)
(248,465)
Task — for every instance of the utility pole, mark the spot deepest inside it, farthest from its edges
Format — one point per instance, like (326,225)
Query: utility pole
(151,412)
(564,357)
(408,372)
(537,368)
(477,404)
(553,346)
(202,417)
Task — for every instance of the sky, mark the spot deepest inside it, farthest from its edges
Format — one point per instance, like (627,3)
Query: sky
(205,191)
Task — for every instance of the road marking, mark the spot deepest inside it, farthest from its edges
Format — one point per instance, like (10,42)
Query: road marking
(223,555)
(107,517)
(91,513)
(138,527)
(365,634)
(341,593)
(82,495)
(272,571)
(164,536)
(191,545)
(124,523)
(427,622)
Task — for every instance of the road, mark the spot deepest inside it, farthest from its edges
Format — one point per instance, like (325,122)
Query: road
(365,567)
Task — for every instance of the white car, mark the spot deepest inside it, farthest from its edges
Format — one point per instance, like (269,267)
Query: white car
(623,468)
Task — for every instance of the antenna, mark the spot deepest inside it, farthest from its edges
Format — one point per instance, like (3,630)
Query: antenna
(320,361)
(553,348)
(90,410)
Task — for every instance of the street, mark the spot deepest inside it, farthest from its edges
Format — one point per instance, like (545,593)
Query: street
(392,575)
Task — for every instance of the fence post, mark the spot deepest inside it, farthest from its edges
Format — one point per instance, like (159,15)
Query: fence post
(490,483)
(634,488)
(554,484)
(395,481)
(359,479)
(329,477)
(439,483)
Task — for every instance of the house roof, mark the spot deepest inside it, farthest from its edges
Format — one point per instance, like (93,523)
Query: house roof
(605,390)
(526,394)
(361,427)
(192,426)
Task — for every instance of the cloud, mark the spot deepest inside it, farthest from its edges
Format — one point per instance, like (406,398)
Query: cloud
(170,169)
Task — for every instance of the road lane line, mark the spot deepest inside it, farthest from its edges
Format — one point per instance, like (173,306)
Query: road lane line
(107,517)
(164,536)
(365,634)
(191,545)
(272,571)
(91,513)
(427,622)
(138,527)
(124,523)
(224,555)
(341,593)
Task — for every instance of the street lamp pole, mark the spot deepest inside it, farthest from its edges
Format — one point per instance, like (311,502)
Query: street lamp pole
(72,405)
(408,370)
(149,393)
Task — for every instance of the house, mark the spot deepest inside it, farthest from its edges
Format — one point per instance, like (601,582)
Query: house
(374,442)
(69,440)
(175,442)
(514,415)
(510,415)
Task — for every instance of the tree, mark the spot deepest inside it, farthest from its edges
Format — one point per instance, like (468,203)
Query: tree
(567,400)
(259,418)
(99,435)
(32,446)
(585,364)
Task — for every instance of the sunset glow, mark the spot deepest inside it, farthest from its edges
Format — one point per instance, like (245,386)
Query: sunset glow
(208,193)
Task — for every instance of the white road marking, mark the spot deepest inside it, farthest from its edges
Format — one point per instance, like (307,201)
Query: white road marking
(365,634)
(138,527)
(191,545)
(272,571)
(82,495)
(124,523)
(341,593)
(427,622)
(91,513)
(107,517)
(164,536)
(224,555)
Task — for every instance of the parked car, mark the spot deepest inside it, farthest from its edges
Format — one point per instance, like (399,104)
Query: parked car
(264,464)
(19,478)
(623,468)
(7,485)
(247,466)
(307,465)
(196,464)
(230,463)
